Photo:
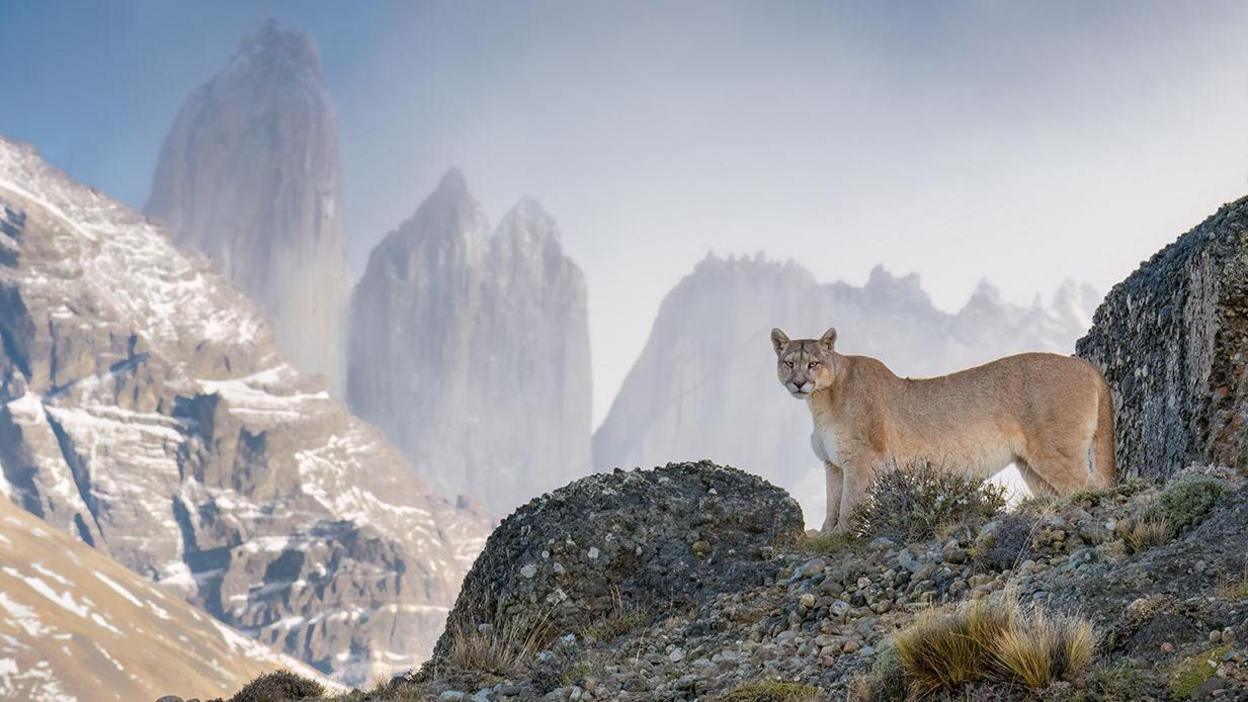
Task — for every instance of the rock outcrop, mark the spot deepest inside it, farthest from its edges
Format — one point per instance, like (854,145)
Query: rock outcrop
(821,613)
(145,409)
(471,349)
(1170,340)
(705,385)
(75,624)
(250,175)
(646,542)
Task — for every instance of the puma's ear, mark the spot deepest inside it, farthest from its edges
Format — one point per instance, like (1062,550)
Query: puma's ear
(778,339)
(828,340)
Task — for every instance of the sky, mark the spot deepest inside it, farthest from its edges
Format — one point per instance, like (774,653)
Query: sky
(1023,143)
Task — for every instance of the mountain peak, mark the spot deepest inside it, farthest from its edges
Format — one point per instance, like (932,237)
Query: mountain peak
(273,46)
(452,184)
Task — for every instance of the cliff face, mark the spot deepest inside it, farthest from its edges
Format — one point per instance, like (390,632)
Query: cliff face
(250,175)
(1170,341)
(705,385)
(471,349)
(146,410)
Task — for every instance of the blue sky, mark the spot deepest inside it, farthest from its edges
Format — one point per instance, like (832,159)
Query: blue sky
(1020,142)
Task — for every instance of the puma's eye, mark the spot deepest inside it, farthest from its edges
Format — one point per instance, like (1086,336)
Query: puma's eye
(788,364)
(812,365)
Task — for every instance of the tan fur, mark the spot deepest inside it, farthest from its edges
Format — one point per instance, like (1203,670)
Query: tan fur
(1050,415)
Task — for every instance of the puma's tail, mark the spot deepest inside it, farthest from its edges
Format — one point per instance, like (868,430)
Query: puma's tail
(1104,469)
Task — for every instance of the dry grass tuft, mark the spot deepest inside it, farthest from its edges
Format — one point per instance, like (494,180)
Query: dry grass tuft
(1148,531)
(992,641)
(1042,648)
(497,649)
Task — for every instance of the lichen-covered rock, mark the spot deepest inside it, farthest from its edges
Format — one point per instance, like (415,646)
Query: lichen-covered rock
(646,541)
(1170,341)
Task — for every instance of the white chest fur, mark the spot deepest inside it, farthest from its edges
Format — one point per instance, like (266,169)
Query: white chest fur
(823,441)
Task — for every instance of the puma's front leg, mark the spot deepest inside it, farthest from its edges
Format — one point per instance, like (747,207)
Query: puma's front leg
(835,478)
(858,477)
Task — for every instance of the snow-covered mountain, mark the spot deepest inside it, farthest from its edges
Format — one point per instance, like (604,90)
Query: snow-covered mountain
(77,625)
(471,349)
(145,409)
(705,384)
(250,175)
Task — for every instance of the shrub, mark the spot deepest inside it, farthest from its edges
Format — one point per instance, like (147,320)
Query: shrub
(992,641)
(917,502)
(1186,502)
(771,691)
(279,686)
(1004,543)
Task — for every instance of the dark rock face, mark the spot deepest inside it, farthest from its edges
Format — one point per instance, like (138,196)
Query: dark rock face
(470,349)
(647,541)
(1170,340)
(249,174)
(145,410)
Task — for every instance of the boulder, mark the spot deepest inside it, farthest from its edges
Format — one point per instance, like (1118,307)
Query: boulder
(640,542)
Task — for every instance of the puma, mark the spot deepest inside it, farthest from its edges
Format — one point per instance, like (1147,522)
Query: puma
(1050,415)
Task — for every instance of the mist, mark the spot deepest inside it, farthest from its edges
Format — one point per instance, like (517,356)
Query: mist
(1025,144)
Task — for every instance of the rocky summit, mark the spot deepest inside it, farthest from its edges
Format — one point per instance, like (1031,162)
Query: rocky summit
(145,410)
(470,349)
(1170,340)
(249,174)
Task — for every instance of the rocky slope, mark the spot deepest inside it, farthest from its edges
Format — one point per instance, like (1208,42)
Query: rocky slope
(470,349)
(1170,341)
(704,386)
(710,607)
(145,409)
(249,174)
(77,625)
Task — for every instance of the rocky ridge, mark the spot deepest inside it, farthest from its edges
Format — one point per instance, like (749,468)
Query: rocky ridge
(470,349)
(145,409)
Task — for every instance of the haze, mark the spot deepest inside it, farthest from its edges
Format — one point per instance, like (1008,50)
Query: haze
(1024,143)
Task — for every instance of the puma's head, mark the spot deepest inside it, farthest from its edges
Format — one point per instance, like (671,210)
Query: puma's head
(804,365)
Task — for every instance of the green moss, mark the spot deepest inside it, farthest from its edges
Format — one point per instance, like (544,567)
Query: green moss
(1113,683)
(771,691)
(886,682)
(832,544)
(1192,672)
